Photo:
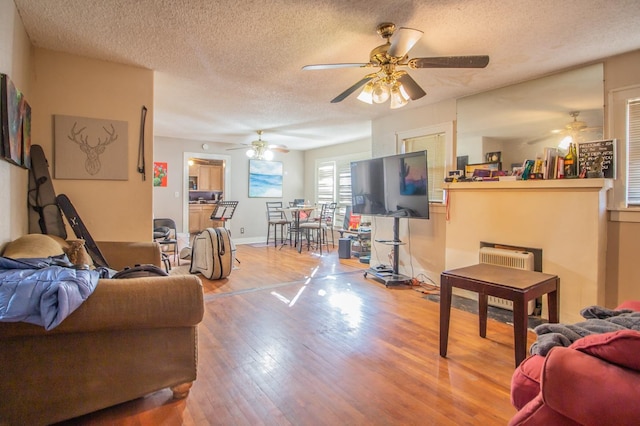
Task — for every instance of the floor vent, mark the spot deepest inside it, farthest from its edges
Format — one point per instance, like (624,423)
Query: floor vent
(511,259)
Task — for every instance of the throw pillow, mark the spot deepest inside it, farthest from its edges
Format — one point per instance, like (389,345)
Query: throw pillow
(33,246)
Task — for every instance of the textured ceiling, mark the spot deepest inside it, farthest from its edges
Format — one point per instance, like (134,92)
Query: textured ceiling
(226,69)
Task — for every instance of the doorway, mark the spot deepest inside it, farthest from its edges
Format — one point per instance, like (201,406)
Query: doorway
(206,192)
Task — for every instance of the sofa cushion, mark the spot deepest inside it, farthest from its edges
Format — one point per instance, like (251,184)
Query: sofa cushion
(33,246)
(634,305)
(525,382)
(619,347)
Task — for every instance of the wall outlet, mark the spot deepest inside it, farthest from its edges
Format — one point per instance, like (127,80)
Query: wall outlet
(242,230)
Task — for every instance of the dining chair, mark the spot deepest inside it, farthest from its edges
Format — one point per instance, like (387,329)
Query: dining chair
(328,218)
(316,230)
(165,233)
(275,218)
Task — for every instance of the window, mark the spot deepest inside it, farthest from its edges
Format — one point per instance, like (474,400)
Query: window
(434,145)
(437,141)
(326,182)
(334,182)
(633,143)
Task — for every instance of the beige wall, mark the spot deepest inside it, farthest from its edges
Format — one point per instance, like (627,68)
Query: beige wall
(76,86)
(565,218)
(15,61)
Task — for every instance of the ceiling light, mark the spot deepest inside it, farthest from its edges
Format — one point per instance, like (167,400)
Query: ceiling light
(380,89)
(367,93)
(251,153)
(398,99)
(380,92)
(268,155)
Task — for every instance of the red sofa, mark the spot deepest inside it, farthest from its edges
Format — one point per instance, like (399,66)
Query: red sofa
(595,381)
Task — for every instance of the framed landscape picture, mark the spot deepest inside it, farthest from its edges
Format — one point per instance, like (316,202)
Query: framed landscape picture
(15,124)
(265,179)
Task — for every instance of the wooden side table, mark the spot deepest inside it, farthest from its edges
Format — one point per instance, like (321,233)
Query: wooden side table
(516,285)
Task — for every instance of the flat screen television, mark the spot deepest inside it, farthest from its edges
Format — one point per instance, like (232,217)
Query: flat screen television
(367,187)
(394,186)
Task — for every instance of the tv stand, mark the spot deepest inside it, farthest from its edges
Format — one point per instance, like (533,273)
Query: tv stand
(390,276)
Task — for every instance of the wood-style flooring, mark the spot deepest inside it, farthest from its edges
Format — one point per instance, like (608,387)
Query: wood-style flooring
(299,339)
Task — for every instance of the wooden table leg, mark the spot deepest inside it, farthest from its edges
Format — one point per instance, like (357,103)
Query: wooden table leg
(445,314)
(552,301)
(482,313)
(520,324)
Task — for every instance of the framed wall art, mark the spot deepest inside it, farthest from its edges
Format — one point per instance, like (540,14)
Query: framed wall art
(15,124)
(90,148)
(159,174)
(265,179)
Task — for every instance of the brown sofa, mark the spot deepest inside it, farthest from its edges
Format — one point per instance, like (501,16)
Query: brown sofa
(129,338)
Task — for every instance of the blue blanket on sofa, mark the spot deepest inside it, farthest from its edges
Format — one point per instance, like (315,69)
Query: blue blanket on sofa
(40,292)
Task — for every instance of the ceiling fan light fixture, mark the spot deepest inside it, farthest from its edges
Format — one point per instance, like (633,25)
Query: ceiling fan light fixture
(366,95)
(398,100)
(251,153)
(268,155)
(381,92)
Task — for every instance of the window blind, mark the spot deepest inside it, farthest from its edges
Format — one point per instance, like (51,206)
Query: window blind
(326,182)
(633,144)
(334,183)
(435,146)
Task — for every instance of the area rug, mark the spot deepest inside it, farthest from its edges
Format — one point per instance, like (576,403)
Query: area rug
(495,313)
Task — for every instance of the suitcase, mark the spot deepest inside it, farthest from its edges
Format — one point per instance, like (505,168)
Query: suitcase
(212,253)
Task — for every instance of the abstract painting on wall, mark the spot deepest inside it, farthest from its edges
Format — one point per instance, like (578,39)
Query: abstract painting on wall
(265,179)
(15,124)
(159,174)
(90,148)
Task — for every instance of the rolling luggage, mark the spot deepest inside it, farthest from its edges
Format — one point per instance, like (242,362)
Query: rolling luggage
(212,254)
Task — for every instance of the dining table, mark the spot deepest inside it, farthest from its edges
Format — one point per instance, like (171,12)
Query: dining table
(296,213)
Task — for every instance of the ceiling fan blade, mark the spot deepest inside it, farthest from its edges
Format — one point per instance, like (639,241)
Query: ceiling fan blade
(411,87)
(403,41)
(279,148)
(479,61)
(334,66)
(352,89)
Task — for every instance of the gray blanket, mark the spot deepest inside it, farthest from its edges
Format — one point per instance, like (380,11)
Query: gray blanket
(598,320)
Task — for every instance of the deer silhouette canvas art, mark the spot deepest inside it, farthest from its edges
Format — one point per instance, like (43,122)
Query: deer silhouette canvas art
(90,148)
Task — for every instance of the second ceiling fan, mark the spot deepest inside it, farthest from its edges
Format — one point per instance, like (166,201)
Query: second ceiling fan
(390,80)
(262,150)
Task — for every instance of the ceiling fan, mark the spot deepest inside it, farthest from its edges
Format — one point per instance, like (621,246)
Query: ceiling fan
(578,125)
(262,150)
(390,80)
(573,129)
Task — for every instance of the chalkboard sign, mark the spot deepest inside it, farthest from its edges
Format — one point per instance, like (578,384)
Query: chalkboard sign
(590,152)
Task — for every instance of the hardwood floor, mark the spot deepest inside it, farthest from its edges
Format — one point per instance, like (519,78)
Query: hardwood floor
(299,339)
